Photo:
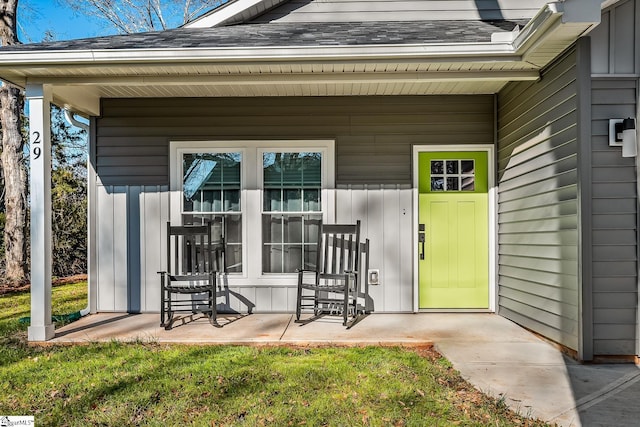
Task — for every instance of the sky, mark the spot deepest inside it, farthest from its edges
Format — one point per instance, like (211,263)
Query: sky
(36,17)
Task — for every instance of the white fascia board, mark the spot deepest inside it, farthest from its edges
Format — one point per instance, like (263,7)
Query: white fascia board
(535,28)
(225,13)
(203,20)
(470,51)
(584,13)
(294,78)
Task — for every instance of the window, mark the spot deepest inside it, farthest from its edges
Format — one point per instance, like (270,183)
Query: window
(267,198)
(292,209)
(452,175)
(211,192)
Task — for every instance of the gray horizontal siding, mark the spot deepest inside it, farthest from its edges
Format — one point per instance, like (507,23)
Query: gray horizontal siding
(374,135)
(614,217)
(400,10)
(537,203)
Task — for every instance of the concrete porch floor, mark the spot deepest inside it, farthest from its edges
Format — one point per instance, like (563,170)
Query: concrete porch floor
(494,354)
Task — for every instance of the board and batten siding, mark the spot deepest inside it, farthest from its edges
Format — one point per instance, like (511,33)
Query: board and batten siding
(614,213)
(538,203)
(614,42)
(373,136)
(400,10)
(130,234)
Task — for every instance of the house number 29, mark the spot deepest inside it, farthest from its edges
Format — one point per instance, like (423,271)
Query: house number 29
(37,150)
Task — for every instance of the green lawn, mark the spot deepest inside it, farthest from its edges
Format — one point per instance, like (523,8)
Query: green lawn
(151,384)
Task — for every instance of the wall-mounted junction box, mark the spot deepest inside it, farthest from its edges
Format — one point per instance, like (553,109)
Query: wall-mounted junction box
(374,276)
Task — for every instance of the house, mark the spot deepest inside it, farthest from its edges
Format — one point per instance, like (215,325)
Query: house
(471,138)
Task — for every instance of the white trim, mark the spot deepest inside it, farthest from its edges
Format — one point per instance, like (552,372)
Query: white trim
(234,9)
(251,195)
(230,10)
(469,51)
(535,28)
(222,13)
(294,77)
(39,102)
(490,149)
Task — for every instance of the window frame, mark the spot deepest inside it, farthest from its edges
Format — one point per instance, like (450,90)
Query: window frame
(252,193)
(180,178)
(260,155)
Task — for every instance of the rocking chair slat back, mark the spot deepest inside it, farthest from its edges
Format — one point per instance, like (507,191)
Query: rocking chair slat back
(340,242)
(335,287)
(193,251)
(193,259)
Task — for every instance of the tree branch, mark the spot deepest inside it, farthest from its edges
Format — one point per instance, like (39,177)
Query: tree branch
(130,16)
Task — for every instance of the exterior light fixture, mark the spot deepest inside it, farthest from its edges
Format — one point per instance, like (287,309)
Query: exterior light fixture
(622,133)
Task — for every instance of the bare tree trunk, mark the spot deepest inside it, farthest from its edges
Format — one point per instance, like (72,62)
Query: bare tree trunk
(12,158)
(15,184)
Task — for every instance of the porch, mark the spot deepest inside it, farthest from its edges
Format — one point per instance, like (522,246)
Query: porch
(373,102)
(255,329)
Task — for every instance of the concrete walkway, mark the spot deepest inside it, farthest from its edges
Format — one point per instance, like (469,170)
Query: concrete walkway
(492,353)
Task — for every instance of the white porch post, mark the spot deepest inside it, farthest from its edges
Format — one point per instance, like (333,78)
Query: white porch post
(39,101)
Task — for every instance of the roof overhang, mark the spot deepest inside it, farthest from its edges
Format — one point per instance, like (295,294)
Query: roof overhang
(232,12)
(80,78)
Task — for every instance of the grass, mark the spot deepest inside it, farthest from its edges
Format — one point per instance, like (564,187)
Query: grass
(152,384)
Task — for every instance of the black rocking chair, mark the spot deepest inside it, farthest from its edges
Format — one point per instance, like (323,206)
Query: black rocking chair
(334,286)
(189,284)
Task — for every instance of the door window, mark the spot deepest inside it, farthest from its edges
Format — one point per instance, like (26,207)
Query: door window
(452,175)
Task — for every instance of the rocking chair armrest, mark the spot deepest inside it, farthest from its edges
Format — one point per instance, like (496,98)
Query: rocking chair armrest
(161,272)
(302,271)
(301,276)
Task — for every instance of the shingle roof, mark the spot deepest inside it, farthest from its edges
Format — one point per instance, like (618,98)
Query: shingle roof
(291,34)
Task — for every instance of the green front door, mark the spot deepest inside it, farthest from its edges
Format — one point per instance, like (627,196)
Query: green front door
(453,244)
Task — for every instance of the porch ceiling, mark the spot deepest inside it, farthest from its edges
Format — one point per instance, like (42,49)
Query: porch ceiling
(81,87)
